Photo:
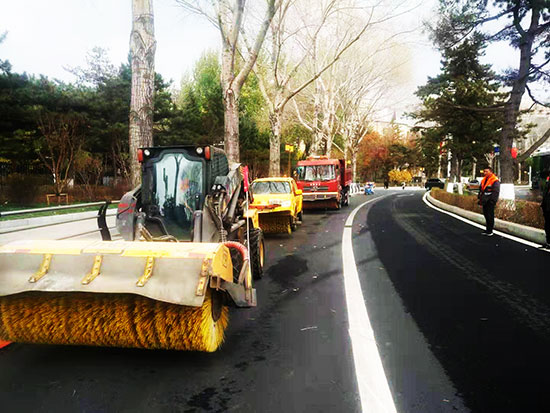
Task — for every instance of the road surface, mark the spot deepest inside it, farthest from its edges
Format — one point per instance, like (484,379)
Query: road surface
(461,323)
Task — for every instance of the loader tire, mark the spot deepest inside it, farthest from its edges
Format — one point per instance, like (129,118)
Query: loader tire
(237,261)
(257,253)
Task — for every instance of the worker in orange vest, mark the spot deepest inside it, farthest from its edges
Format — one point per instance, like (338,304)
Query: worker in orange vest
(545,205)
(489,191)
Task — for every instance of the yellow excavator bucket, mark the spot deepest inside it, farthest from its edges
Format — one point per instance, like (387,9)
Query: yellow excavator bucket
(120,293)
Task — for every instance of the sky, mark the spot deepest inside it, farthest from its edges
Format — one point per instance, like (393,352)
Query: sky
(44,37)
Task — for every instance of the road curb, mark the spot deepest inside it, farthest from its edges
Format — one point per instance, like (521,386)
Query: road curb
(521,231)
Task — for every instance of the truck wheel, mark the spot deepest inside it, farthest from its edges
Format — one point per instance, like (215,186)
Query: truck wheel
(300,216)
(289,226)
(257,253)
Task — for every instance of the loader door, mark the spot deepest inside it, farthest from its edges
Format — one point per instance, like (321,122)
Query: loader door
(176,188)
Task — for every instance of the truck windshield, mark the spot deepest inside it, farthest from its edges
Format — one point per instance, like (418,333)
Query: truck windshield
(264,187)
(316,173)
(178,192)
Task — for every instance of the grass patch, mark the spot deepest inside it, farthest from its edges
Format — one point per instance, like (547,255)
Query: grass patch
(519,211)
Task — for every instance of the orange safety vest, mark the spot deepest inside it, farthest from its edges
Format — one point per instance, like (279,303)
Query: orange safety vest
(488,181)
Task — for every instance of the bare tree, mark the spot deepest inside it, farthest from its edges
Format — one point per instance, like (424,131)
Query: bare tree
(142,54)
(306,43)
(228,16)
(89,168)
(61,140)
(347,98)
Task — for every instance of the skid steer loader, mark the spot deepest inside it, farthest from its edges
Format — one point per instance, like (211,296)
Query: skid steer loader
(190,250)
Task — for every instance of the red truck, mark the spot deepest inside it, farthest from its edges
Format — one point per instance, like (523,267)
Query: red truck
(324,182)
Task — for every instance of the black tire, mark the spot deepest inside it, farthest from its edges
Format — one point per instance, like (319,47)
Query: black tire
(237,260)
(293,223)
(346,199)
(300,216)
(257,253)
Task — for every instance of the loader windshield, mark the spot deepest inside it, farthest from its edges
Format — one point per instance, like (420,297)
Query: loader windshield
(178,192)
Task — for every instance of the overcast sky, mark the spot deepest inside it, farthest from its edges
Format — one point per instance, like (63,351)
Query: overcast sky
(46,35)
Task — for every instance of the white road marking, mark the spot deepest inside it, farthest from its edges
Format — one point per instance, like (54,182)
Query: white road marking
(373,385)
(475,224)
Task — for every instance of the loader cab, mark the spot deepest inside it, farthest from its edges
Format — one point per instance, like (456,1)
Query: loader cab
(175,183)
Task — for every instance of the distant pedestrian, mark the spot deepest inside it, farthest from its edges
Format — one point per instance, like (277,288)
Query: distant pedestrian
(403,185)
(489,191)
(386,184)
(545,205)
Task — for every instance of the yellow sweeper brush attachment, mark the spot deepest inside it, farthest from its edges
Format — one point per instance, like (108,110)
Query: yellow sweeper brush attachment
(122,294)
(275,223)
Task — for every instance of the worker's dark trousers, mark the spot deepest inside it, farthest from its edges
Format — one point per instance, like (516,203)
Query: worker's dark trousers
(489,214)
(547,225)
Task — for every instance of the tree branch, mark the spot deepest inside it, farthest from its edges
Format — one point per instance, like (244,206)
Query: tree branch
(533,147)
(534,99)
(304,123)
(272,7)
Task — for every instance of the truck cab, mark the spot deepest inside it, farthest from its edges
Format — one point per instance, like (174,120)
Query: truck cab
(325,182)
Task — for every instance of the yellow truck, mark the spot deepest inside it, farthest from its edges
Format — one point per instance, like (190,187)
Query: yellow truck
(279,204)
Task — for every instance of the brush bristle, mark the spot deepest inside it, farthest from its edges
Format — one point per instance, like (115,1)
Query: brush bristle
(112,320)
(274,224)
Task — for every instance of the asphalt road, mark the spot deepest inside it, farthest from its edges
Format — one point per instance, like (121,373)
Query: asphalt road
(460,320)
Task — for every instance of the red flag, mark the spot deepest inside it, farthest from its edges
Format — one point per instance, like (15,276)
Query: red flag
(245,178)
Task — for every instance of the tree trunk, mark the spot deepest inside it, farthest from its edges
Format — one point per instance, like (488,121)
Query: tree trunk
(354,163)
(317,129)
(231,106)
(454,168)
(275,144)
(231,126)
(142,54)
(511,109)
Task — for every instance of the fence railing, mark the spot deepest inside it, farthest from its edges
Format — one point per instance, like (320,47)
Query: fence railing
(57,208)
